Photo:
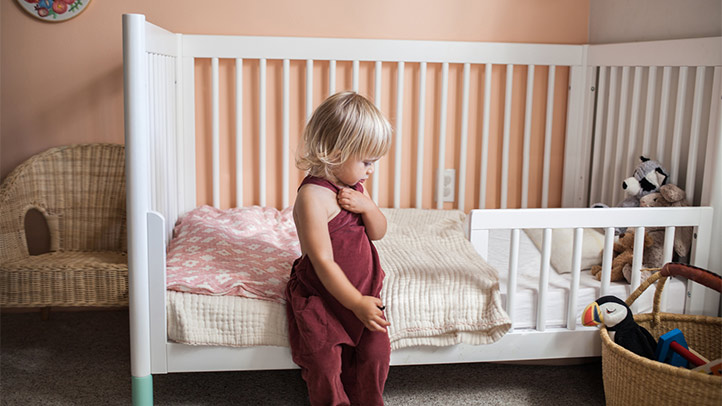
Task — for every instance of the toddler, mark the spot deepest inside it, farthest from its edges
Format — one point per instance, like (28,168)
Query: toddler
(336,325)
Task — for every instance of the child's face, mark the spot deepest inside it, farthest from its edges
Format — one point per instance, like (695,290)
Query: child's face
(355,170)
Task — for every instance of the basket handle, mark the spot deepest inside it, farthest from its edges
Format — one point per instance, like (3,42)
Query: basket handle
(699,275)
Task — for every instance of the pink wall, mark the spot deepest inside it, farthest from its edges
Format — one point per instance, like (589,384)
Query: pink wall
(62,83)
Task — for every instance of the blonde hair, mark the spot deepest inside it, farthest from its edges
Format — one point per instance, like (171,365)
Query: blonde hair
(346,125)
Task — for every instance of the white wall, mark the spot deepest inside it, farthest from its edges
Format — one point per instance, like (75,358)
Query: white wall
(648,20)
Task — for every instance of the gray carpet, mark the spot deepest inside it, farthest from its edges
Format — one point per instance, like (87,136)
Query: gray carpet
(82,358)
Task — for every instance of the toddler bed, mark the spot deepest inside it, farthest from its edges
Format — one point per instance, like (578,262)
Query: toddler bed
(585,113)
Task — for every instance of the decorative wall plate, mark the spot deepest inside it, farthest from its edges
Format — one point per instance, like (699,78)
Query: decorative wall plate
(54,10)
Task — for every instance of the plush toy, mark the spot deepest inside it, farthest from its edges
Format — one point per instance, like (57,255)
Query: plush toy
(616,315)
(671,196)
(623,251)
(647,178)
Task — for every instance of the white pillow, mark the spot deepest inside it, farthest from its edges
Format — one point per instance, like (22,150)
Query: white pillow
(563,244)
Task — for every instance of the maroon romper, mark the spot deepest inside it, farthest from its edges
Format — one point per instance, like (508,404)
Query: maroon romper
(341,361)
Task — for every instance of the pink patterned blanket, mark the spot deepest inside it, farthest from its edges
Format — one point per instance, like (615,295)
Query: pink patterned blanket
(245,252)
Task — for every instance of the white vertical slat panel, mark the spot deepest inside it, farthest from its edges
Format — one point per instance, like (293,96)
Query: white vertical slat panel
(694,133)
(629,162)
(609,137)
(160,135)
(513,271)
(442,136)
(399,132)
(189,135)
(152,115)
(172,166)
(354,80)
(595,194)
(667,253)
(421,117)
(179,147)
(262,132)
(574,283)
(506,136)
(485,136)
(607,260)
(649,111)
(713,126)
(331,77)
(544,280)
(637,263)
(527,137)
(309,89)
(548,136)
(239,132)
(285,134)
(663,113)
(678,123)
(216,161)
(377,100)
(464,137)
(621,135)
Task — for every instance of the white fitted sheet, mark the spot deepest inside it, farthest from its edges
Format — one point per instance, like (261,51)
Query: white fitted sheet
(524,313)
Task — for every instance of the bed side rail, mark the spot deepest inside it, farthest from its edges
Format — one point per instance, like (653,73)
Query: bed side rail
(699,300)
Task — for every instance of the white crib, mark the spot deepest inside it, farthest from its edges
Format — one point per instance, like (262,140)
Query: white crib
(623,100)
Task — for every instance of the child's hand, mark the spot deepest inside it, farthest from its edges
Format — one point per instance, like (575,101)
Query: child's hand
(368,310)
(354,201)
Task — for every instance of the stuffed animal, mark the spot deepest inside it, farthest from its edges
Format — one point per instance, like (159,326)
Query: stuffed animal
(648,177)
(623,252)
(671,196)
(616,315)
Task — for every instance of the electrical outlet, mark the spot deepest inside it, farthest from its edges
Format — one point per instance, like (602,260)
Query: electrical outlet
(448,185)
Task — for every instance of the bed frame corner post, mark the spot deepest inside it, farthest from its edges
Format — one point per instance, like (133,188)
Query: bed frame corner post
(135,86)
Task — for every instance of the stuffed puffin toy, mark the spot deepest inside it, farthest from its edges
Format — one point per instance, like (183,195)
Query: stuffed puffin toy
(617,317)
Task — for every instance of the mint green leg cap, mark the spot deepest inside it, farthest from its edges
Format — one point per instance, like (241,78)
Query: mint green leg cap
(142,390)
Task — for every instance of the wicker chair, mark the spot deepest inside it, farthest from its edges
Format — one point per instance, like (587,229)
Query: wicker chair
(80,190)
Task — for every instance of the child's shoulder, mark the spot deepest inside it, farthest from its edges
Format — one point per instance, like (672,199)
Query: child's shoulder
(312,197)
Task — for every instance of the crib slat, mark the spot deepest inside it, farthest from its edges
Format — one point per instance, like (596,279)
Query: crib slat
(189,136)
(663,112)
(421,121)
(377,101)
(354,80)
(216,134)
(637,263)
(239,132)
(309,89)
(171,151)
(285,134)
(399,132)
(442,136)
(629,163)
(262,132)
(678,123)
(649,110)
(331,77)
(574,283)
(548,136)
(597,172)
(621,134)
(694,133)
(506,135)
(513,271)
(712,126)
(544,280)
(527,136)
(464,138)
(609,136)
(667,253)
(485,136)
(153,104)
(607,260)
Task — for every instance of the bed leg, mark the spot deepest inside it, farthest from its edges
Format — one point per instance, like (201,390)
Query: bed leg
(142,390)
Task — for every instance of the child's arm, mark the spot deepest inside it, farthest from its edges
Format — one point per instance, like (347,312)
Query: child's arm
(311,212)
(357,202)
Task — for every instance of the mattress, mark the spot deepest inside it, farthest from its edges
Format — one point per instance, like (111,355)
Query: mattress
(437,292)
(525,311)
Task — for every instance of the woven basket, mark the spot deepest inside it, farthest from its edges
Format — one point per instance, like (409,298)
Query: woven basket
(630,379)
(80,190)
